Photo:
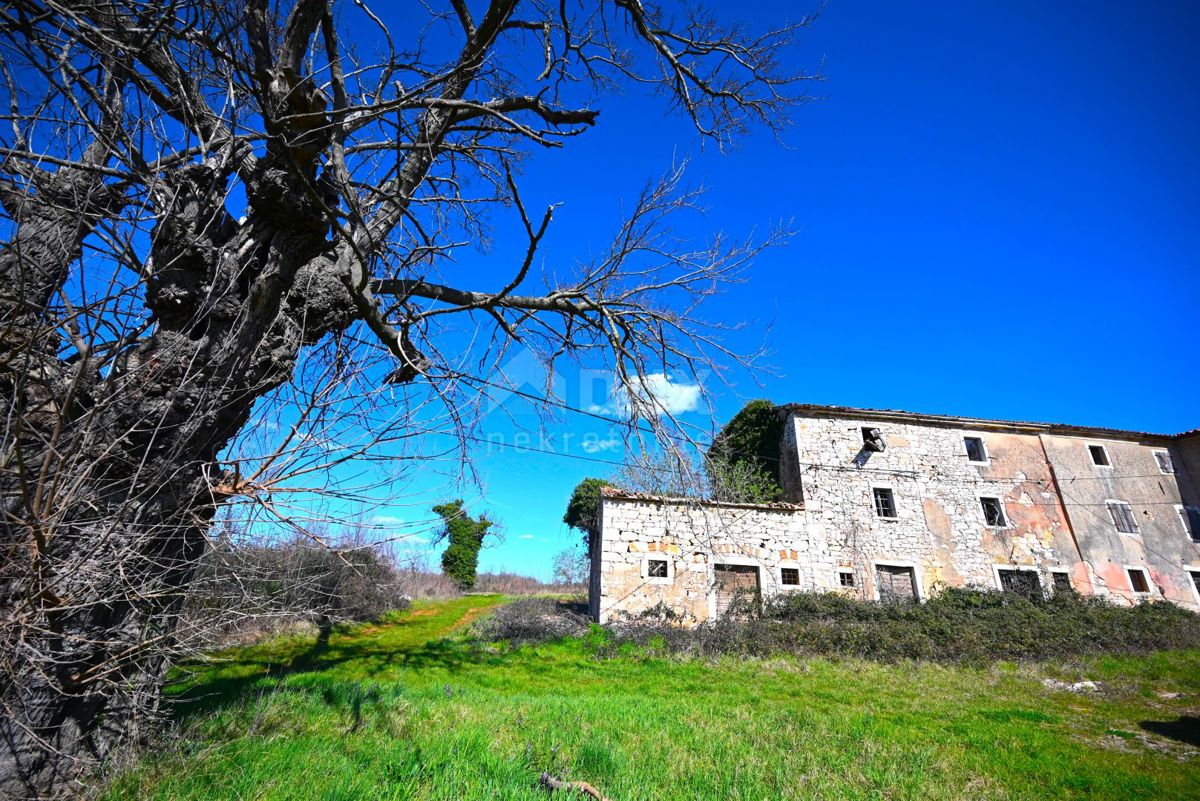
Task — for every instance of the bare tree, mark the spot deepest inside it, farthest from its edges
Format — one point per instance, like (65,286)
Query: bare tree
(220,211)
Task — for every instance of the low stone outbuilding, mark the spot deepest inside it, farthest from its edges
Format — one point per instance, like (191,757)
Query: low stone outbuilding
(886,504)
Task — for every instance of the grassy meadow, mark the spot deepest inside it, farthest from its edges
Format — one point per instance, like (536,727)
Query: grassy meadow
(413,708)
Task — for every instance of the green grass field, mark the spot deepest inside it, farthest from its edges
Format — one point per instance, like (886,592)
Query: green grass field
(409,709)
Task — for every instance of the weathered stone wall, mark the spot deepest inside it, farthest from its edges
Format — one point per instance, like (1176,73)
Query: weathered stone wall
(1053,499)
(692,538)
(1161,544)
(940,527)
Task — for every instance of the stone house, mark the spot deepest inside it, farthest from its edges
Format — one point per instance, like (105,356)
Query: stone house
(889,504)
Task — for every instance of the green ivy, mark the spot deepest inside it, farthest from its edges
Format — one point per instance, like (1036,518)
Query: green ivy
(465,537)
(583,510)
(743,461)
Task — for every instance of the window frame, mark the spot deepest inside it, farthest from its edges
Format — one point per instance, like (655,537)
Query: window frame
(668,579)
(1006,522)
(1155,452)
(916,576)
(779,576)
(987,456)
(1108,462)
(1182,510)
(875,503)
(998,569)
(843,572)
(1129,571)
(1060,571)
(1193,574)
(1109,503)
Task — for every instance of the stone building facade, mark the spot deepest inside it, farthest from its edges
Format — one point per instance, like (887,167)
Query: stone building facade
(885,504)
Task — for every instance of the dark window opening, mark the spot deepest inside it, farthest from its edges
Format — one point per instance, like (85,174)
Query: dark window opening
(846,579)
(656,568)
(885,502)
(1195,580)
(1099,455)
(1062,582)
(1137,580)
(789,576)
(1021,582)
(993,512)
(1122,517)
(873,440)
(1165,464)
(1191,521)
(975,449)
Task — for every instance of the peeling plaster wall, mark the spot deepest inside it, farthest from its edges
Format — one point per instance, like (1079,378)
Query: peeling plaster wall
(1161,544)
(940,527)
(1053,499)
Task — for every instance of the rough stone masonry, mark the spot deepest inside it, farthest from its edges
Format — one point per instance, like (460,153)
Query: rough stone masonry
(947,502)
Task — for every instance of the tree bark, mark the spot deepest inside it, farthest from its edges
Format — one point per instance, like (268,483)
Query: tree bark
(106,516)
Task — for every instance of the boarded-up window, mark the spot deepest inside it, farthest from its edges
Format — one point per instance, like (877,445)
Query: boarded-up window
(1122,516)
(895,583)
(993,512)
(1062,582)
(975,449)
(789,576)
(1165,465)
(735,583)
(1137,579)
(656,568)
(1021,582)
(885,502)
(1099,455)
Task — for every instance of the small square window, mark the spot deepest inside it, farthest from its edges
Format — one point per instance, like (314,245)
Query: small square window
(975,450)
(885,502)
(656,568)
(1190,517)
(1165,465)
(1061,582)
(845,578)
(993,512)
(1137,580)
(1099,455)
(789,576)
(1122,516)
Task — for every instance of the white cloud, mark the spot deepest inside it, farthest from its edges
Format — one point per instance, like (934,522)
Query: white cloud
(388,520)
(526,537)
(657,393)
(593,444)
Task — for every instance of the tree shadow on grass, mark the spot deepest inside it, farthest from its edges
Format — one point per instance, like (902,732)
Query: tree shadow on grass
(1186,729)
(375,662)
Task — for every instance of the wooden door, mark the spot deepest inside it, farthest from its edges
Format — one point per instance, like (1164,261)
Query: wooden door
(895,583)
(734,581)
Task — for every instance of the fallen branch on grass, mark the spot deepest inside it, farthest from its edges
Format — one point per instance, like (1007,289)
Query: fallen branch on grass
(552,783)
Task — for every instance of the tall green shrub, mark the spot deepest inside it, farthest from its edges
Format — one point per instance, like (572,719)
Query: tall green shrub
(583,510)
(743,460)
(464,535)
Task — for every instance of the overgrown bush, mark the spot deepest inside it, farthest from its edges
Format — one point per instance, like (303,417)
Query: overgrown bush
(958,625)
(533,620)
(253,588)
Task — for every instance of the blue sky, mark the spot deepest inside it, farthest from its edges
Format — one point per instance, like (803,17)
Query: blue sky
(997,206)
